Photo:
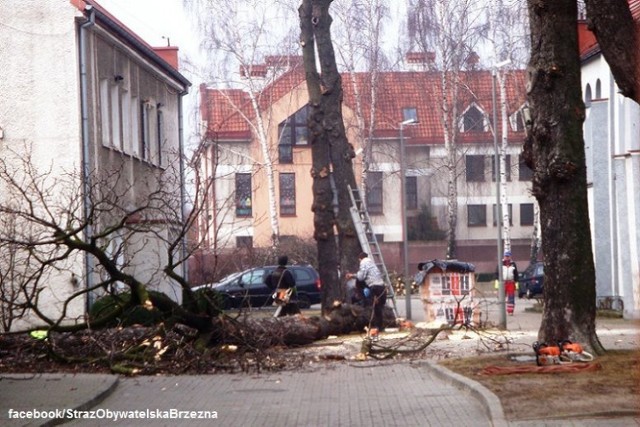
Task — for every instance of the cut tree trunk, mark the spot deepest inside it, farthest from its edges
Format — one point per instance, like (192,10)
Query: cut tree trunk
(297,330)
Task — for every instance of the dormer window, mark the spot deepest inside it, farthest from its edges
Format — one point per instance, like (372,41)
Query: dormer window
(517,121)
(409,113)
(474,120)
(291,132)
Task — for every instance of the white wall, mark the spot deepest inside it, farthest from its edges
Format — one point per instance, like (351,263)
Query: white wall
(612,139)
(39,103)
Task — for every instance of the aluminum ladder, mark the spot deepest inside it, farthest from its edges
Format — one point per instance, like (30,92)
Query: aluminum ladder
(369,242)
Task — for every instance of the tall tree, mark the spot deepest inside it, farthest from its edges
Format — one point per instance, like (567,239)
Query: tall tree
(359,48)
(452,30)
(507,37)
(555,151)
(327,131)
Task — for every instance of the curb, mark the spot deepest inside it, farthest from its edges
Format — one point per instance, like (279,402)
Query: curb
(111,383)
(486,397)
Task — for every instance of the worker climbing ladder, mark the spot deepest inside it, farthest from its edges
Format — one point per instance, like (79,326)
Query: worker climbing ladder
(369,242)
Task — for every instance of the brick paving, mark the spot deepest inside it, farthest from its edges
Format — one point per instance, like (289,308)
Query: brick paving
(364,394)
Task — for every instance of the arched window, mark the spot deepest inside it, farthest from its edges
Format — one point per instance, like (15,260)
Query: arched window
(292,132)
(598,89)
(587,96)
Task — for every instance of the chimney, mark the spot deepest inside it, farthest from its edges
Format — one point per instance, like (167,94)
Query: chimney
(420,61)
(169,54)
(472,61)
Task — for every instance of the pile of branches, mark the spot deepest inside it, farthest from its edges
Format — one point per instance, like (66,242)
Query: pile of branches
(235,344)
(136,350)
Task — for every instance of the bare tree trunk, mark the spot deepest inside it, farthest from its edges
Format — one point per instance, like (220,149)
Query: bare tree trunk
(555,151)
(314,19)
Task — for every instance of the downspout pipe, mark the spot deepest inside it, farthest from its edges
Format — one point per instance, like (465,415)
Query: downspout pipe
(185,266)
(86,170)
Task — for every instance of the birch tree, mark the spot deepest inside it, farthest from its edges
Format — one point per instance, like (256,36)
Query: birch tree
(238,36)
(452,30)
(507,37)
(359,49)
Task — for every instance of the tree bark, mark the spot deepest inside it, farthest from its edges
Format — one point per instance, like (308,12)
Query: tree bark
(332,154)
(340,149)
(555,151)
(323,214)
(619,39)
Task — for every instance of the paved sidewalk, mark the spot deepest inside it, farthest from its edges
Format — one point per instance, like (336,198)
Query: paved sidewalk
(338,394)
(362,394)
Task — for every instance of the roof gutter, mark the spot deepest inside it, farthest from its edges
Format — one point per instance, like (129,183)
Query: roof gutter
(138,44)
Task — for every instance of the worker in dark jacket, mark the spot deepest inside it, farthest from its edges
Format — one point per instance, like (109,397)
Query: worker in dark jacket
(282,281)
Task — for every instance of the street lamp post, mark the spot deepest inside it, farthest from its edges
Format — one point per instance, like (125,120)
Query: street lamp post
(403,204)
(502,323)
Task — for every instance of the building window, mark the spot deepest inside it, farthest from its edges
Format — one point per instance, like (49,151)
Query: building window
(244,242)
(517,121)
(409,113)
(473,120)
(243,195)
(524,172)
(287,194)
(292,132)
(476,215)
(374,192)
(475,168)
(411,192)
(145,129)
(105,115)
(526,214)
(507,165)
(134,143)
(160,134)
(495,214)
(116,117)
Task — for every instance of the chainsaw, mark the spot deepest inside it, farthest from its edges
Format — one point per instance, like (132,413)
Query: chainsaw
(561,353)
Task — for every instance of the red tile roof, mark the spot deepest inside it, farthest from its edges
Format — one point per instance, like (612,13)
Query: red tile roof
(397,90)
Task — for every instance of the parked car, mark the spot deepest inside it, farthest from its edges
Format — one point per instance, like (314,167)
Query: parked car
(248,289)
(531,281)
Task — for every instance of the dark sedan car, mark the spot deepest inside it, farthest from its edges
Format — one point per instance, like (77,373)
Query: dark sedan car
(248,288)
(531,282)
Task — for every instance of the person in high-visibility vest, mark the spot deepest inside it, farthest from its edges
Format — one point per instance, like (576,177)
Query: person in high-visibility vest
(510,277)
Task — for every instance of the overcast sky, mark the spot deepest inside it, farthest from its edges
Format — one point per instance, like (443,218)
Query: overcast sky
(154,20)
